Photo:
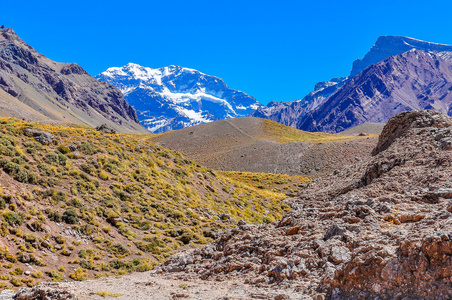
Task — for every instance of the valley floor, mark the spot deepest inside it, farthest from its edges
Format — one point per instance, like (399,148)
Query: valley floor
(140,286)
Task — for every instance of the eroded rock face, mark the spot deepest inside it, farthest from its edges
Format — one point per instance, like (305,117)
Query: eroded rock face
(390,238)
(400,124)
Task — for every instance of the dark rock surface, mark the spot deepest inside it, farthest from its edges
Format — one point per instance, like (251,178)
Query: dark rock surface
(106,129)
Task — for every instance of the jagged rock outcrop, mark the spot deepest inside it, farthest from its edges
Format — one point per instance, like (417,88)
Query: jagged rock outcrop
(387,239)
(106,129)
(36,88)
(45,291)
(41,136)
(388,45)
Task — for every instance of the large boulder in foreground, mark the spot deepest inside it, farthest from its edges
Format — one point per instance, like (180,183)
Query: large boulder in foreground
(398,126)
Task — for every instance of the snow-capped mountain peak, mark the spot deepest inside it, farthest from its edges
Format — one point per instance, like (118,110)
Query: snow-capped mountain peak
(175,97)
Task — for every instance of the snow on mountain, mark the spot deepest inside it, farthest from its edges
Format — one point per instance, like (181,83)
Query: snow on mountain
(294,113)
(413,80)
(174,97)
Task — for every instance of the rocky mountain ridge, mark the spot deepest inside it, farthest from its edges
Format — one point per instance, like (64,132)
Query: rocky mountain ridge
(36,88)
(293,113)
(387,46)
(414,80)
(174,97)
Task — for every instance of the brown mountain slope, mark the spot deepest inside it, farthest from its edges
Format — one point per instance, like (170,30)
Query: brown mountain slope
(58,92)
(414,80)
(260,145)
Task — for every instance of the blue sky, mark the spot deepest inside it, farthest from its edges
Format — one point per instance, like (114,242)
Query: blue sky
(272,50)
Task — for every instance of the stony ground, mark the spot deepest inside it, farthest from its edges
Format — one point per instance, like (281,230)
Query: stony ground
(146,286)
(378,229)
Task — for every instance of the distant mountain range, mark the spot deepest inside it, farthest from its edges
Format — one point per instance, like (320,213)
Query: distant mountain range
(386,81)
(397,74)
(36,88)
(174,97)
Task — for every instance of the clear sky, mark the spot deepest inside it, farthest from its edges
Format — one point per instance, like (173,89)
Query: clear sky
(272,50)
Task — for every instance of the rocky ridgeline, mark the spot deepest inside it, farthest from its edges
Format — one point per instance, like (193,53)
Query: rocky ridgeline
(51,91)
(379,229)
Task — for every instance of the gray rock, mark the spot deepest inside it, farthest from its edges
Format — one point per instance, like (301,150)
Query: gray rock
(7,294)
(45,291)
(333,231)
(106,129)
(40,136)
(339,254)
(25,258)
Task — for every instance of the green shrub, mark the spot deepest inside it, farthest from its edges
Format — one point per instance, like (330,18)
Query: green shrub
(86,148)
(119,264)
(45,170)
(89,169)
(64,149)
(86,229)
(54,216)
(55,275)
(55,158)
(60,239)
(70,216)
(18,172)
(52,158)
(186,235)
(118,249)
(13,219)
(79,274)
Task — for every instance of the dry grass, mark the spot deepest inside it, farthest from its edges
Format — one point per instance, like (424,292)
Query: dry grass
(286,134)
(108,294)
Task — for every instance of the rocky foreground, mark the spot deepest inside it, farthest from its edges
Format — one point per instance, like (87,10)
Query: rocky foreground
(378,229)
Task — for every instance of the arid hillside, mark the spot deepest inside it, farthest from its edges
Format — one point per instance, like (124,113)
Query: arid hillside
(260,145)
(76,203)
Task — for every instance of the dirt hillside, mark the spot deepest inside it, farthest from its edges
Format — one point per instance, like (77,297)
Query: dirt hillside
(259,145)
